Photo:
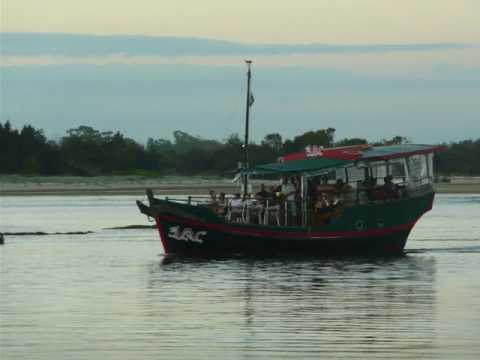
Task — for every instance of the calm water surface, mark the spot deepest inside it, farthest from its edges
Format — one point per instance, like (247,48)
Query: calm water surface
(112,295)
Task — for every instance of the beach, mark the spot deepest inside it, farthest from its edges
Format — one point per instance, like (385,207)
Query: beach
(111,185)
(11,185)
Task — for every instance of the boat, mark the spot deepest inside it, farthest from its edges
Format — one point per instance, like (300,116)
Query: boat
(359,199)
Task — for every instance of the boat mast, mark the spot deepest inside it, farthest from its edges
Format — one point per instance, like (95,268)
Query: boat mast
(247,118)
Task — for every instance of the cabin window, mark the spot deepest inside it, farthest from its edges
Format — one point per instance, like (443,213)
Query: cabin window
(379,171)
(355,174)
(430,165)
(397,168)
(340,174)
(417,168)
(331,177)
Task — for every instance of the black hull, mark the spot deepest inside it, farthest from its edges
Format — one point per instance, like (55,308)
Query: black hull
(381,228)
(218,242)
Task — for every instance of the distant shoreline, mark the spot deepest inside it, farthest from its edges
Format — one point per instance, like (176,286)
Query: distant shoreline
(132,185)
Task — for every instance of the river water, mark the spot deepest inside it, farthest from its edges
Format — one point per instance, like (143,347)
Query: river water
(112,295)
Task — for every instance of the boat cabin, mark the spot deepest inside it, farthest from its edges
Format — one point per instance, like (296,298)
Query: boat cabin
(310,188)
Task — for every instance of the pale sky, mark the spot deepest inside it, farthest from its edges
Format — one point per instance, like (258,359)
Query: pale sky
(272,21)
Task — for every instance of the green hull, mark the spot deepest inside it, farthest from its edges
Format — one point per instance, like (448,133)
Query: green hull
(381,227)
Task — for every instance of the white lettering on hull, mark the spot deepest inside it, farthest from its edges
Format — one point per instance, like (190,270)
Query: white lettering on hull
(186,234)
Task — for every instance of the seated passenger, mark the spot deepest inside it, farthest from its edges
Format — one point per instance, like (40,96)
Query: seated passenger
(343,192)
(370,182)
(235,208)
(213,197)
(288,189)
(322,201)
(272,207)
(262,195)
(369,185)
(222,204)
(248,201)
(236,202)
(212,201)
(390,188)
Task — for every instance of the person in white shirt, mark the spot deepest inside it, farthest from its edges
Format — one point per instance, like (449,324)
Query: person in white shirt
(288,189)
(235,207)
(236,202)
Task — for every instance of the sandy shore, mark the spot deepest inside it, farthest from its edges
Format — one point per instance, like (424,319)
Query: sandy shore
(111,185)
(131,185)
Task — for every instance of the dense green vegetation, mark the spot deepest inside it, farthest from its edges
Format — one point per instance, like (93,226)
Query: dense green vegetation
(89,152)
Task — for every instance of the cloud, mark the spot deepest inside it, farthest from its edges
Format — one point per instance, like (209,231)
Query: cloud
(57,44)
(153,85)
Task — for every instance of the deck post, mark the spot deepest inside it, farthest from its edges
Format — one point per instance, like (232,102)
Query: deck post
(266,214)
(304,200)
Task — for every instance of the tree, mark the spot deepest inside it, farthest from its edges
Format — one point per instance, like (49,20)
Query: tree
(350,142)
(396,140)
(273,141)
(185,142)
(322,137)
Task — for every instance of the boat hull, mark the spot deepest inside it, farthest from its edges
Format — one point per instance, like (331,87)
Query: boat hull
(192,231)
(187,238)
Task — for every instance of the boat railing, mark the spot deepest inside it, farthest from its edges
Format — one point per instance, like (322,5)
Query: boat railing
(270,212)
(190,200)
(281,212)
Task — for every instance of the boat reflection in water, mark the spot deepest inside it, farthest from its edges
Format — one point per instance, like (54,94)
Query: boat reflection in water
(284,308)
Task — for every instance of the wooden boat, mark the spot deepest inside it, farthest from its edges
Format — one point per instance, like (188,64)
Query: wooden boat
(361,220)
(375,197)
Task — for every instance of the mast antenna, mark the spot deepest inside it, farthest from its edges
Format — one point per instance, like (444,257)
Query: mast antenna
(249,102)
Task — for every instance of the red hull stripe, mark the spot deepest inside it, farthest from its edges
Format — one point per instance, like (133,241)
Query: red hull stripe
(286,234)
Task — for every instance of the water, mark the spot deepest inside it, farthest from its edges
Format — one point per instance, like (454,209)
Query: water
(111,295)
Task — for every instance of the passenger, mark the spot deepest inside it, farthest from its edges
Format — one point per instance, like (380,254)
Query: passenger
(247,200)
(297,184)
(222,204)
(235,208)
(369,185)
(323,210)
(212,201)
(339,185)
(370,182)
(312,185)
(295,200)
(272,207)
(288,189)
(222,200)
(262,195)
(253,209)
(213,197)
(236,202)
(288,197)
(322,201)
(389,187)
(343,191)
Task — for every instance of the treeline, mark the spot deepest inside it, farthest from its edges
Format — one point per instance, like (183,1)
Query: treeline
(85,151)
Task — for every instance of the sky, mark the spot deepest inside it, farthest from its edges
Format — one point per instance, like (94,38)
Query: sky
(253,21)
(369,68)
